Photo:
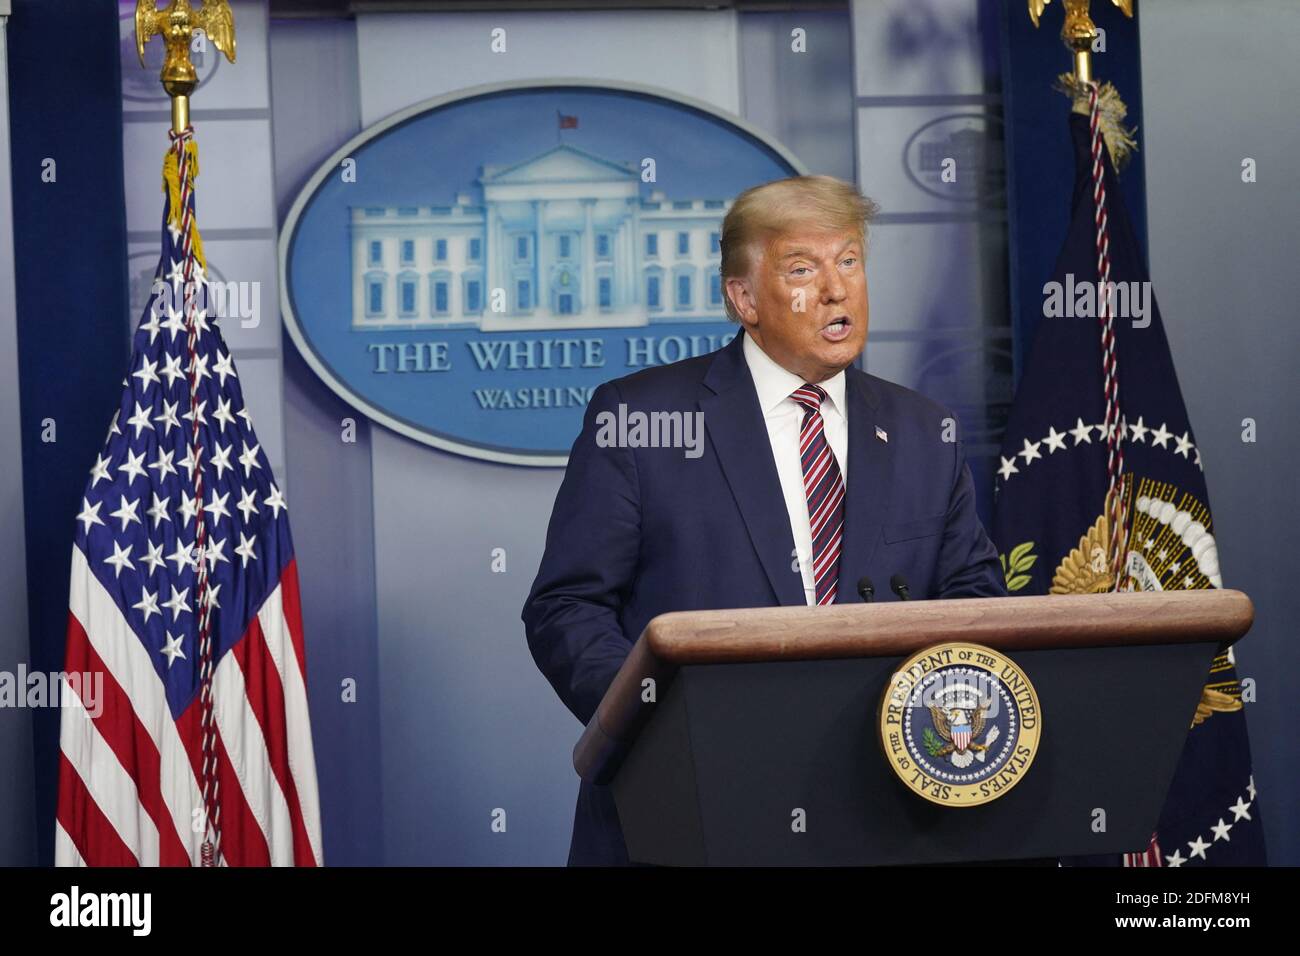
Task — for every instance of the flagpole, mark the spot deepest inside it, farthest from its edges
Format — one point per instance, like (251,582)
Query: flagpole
(177,25)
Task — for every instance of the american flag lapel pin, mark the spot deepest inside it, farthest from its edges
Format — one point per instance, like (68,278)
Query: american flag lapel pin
(882,434)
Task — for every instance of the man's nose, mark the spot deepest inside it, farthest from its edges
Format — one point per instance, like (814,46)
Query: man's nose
(834,288)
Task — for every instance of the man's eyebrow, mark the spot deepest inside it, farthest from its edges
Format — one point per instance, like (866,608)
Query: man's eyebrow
(808,252)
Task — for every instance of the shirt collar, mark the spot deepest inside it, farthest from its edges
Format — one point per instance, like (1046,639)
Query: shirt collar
(774,384)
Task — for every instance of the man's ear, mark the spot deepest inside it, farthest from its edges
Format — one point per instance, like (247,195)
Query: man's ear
(737,291)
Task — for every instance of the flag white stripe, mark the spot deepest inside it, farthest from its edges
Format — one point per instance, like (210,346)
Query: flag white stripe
(65,851)
(302,759)
(126,659)
(104,777)
(246,747)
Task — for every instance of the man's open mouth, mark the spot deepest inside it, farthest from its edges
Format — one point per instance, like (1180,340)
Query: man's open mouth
(837,328)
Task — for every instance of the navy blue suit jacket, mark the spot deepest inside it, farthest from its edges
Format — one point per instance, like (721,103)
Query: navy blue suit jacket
(637,532)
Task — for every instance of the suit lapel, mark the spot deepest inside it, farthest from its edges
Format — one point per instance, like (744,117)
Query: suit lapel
(735,425)
(866,500)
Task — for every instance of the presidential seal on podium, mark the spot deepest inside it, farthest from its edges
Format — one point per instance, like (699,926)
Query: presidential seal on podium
(960,724)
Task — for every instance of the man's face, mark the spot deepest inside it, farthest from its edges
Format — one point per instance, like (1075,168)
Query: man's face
(806,302)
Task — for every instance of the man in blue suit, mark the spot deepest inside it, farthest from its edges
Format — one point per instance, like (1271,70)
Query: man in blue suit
(806,476)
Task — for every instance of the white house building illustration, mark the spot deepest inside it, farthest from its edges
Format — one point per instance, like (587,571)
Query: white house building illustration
(564,236)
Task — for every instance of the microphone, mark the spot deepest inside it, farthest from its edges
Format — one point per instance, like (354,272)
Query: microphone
(898,584)
(866,590)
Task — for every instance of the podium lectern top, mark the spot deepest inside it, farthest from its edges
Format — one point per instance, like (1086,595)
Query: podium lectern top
(899,628)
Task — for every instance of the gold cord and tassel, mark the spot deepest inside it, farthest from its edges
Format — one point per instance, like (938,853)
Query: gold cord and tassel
(1111,111)
(172,187)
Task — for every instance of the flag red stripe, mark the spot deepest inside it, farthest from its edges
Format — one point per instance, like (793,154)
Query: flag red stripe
(266,698)
(122,730)
(292,601)
(87,827)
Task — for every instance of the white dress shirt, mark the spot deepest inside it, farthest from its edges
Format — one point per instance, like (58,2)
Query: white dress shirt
(783,417)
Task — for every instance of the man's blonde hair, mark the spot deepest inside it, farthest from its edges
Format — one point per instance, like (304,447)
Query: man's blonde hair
(763,212)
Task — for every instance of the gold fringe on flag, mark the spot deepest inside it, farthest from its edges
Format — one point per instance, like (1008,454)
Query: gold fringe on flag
(172,187)
(1111,110)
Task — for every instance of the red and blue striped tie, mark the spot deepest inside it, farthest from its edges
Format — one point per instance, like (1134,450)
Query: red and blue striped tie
(824,486)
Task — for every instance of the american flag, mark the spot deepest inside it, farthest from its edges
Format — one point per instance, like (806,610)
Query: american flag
(184,600)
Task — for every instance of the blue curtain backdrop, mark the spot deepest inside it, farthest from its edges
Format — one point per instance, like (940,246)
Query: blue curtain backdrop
(70,265)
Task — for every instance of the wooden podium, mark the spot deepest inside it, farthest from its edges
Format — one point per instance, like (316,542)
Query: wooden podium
(758,714)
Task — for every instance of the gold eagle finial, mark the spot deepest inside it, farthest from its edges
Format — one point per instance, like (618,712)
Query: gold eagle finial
(177,25)
(1075,9)
(1078,31)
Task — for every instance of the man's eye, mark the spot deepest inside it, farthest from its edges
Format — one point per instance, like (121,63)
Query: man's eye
(851,261)
(799,270)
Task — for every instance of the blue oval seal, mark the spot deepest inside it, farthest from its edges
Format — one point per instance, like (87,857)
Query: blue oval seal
(468,270)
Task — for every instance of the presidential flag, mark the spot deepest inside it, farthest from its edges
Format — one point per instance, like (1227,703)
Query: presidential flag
(184,609)
(1102,487)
